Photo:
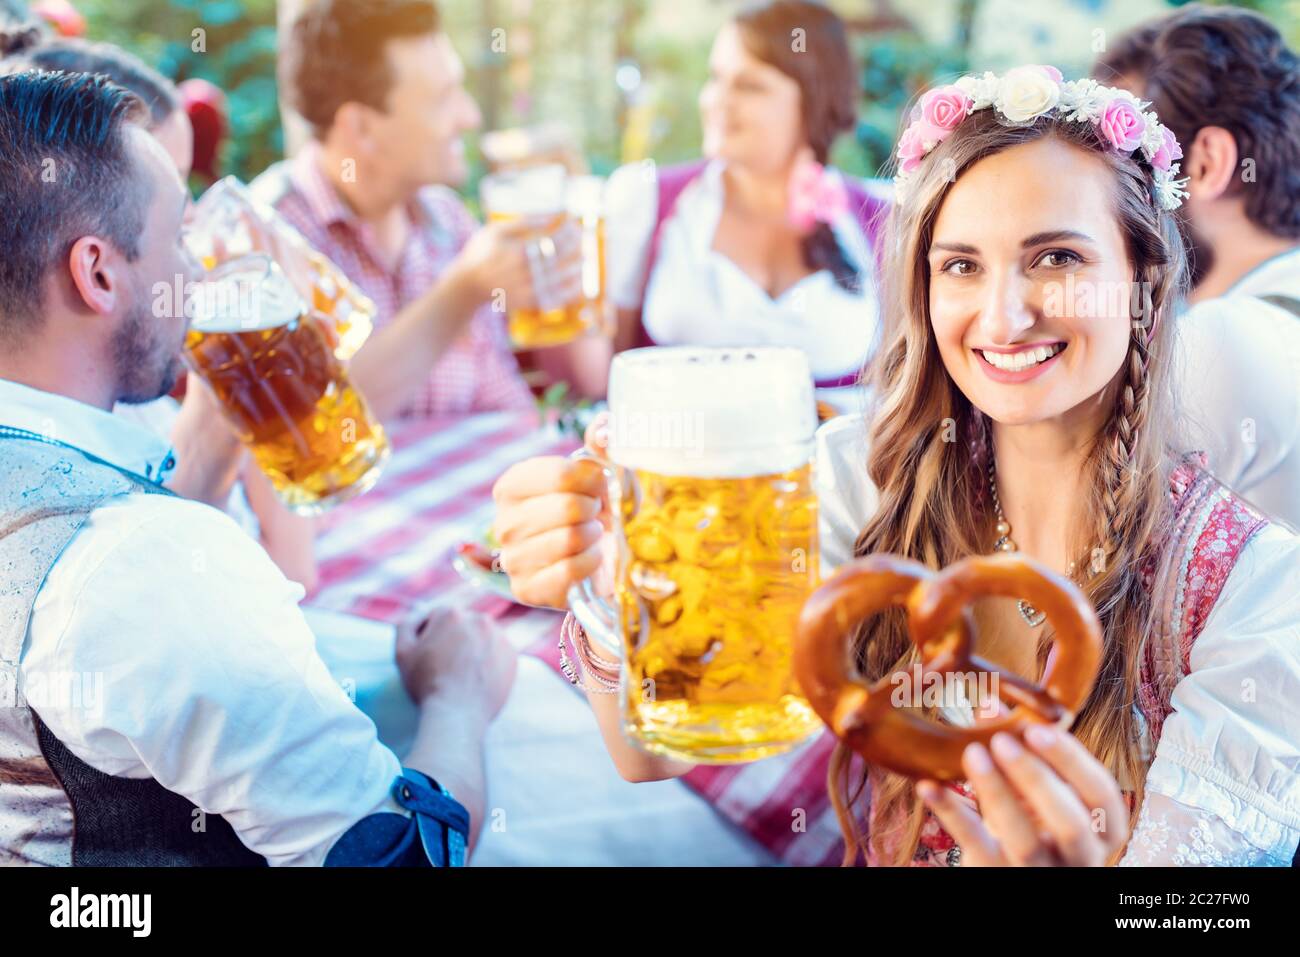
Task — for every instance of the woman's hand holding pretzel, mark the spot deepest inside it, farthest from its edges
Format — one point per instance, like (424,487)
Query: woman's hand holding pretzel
(1044,802)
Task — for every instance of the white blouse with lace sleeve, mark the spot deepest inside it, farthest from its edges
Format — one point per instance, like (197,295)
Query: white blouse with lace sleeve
(846,498)
(1224,785)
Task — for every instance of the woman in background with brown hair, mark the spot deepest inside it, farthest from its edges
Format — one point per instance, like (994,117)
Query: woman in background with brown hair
(760,242)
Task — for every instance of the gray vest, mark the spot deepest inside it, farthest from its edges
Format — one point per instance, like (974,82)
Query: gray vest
(55,808)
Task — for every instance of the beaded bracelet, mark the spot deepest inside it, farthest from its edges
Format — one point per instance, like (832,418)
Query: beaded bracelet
(605,674)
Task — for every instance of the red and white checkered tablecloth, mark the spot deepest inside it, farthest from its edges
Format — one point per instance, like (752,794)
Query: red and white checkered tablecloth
(387,556)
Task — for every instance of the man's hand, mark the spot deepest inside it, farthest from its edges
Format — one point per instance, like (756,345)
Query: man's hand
(508,264)
(459,658)
(208,453)
(459,669)
(498,266)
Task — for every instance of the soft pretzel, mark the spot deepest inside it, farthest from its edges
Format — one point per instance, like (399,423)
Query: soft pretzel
(939,621)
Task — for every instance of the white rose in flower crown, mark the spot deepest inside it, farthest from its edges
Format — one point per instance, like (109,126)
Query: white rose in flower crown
(982,90)
(1027,92)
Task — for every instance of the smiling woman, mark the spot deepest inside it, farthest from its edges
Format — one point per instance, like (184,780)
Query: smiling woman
(1016,390)
(989,298)
(1033,271)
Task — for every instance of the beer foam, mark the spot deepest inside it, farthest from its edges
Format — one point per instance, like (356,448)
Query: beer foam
(710,412)
(246,296)
(585,196)
(533,191)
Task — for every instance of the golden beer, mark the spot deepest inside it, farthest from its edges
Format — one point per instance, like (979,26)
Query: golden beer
(348,315)
(710,467)
(344,314)
(284,390)
(710,585)
(547,200)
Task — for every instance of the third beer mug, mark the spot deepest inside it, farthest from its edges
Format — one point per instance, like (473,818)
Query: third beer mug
(547,198)
(228,224)
(711,486)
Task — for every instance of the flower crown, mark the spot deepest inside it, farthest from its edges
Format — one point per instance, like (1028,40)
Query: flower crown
(1022,95)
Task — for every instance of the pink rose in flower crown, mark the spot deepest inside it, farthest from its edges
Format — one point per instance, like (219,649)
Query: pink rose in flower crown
(944,107)
(1168,152)
(1051,71)
(1122,125)
(911,149)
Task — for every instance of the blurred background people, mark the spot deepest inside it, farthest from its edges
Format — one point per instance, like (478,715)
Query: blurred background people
(759,243)
(167,120)
(1228,86)
(383,91)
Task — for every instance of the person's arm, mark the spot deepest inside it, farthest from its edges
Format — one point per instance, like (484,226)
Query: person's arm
(1224,785)
(458,668)
(551,522)
(289,539)
(632,763)
(448,746)
(395,360)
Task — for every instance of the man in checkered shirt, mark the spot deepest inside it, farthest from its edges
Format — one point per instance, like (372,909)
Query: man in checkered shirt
(383,91)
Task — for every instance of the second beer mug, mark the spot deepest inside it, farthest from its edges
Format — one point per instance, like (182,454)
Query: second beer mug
(711,485)
(546,198)
(254,341)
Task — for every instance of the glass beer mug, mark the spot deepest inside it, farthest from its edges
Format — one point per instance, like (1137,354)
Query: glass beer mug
(228,224)
(259,347)
(710,468)
(547,198)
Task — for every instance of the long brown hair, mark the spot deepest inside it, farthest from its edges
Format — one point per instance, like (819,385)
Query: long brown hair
(932,501)
(808,42)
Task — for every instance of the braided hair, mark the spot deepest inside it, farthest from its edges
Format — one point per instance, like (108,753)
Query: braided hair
(933,504)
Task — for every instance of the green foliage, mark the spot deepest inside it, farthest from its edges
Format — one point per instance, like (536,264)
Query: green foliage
(897,67)
(231,43)
(566,415)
